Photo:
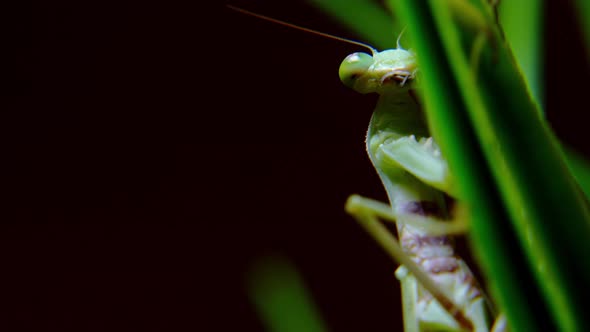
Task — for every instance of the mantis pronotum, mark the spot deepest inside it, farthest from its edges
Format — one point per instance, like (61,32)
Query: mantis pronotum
(439,291)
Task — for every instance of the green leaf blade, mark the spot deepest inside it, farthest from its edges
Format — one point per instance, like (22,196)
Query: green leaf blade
(281,298)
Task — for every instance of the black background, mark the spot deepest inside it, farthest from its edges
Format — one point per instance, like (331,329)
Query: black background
(155,149)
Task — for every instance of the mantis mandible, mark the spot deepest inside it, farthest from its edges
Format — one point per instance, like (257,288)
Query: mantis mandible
(439,291)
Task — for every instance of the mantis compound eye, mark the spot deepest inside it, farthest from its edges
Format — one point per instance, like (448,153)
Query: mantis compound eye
(354,67)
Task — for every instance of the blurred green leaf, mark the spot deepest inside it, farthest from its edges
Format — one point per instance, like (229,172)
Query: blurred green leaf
(281,298)
(580,168)
(582,9)
(524,33)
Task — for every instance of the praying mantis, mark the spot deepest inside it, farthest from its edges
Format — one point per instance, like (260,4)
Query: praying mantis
(438,289)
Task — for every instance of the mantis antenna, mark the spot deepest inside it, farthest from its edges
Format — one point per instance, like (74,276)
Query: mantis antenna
(315,32)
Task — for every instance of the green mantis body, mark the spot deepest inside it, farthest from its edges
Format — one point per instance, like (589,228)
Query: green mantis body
(438,289)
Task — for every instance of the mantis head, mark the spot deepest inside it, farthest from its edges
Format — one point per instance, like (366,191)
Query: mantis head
(380,72)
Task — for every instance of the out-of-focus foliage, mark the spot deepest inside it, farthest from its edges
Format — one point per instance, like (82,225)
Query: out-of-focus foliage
(281,298)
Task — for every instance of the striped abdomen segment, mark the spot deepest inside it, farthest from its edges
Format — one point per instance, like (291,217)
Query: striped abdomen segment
(436,255)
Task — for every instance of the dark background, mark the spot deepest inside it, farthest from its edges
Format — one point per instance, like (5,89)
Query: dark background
(155,149)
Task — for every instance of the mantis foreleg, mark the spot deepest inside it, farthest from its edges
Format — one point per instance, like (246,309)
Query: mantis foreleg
(421,159)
